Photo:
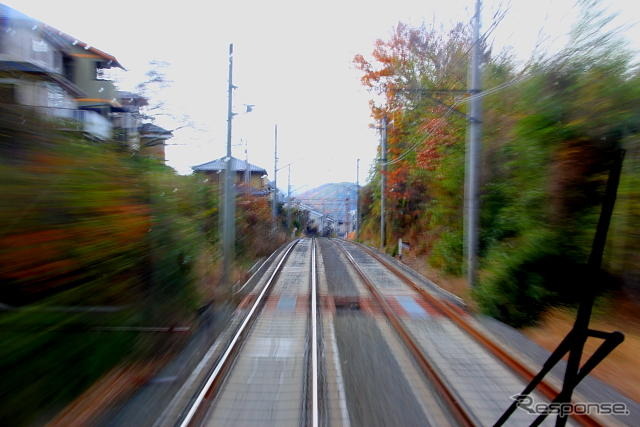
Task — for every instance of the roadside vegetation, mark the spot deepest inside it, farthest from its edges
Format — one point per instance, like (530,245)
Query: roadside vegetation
(551,129)
(96,243)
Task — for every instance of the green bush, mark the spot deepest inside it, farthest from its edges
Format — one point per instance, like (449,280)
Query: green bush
(447,252)
(93,238)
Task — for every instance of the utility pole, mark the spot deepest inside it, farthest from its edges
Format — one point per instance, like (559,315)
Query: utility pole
(247,170)
(473,154)
(228,224)
(289,198)
(347,223)
(383,178)
(274,210)
(322,219)
(357,199)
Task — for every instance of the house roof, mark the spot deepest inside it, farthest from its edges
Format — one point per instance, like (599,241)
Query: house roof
(28,67)
(131,99)
(14,15)
(310,209)
(56,36)
(150,128)
(64,40)
(237,165)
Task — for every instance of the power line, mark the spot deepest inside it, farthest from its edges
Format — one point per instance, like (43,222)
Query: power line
(487,92)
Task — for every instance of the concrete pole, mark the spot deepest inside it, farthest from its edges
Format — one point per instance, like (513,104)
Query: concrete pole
(474,135)
(347,222)
(274,210)
(228,227)
(247,170)
(289,198)
(322,219)
(357,199)
(383,180)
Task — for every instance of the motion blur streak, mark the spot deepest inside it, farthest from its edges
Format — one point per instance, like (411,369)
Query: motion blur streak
(106,258)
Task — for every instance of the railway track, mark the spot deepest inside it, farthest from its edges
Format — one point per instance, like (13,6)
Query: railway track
(453,313)
(253,334)
(456,408)
(275,368)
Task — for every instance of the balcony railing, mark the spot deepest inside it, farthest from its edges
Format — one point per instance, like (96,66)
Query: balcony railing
(89,122)
(94,124)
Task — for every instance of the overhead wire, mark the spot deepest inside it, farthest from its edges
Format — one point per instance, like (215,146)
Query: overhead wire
(484,93)
(497,19)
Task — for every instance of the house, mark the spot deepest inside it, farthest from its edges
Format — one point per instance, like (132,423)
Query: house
(315,218)
(61,77)
(246,174)
(31,70)
(153,140)
(36,66)
(126,119)
(88,68)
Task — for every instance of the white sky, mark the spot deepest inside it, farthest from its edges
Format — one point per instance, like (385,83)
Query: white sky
(293,60)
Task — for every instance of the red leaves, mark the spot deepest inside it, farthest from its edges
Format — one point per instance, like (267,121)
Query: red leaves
(397,180)
(438,134)
(392,56)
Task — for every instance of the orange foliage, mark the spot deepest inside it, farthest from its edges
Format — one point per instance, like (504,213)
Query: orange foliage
(437,136)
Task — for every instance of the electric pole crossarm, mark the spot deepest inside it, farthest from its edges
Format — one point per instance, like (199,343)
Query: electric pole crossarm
(471,118)
(427,91)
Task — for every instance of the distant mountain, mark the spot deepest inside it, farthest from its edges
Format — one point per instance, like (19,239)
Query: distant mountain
(331,199)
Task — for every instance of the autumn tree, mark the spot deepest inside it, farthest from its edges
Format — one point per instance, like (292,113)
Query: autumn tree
(416,78)
(550,131)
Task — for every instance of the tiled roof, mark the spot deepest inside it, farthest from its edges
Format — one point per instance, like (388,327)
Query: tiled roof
(237,165)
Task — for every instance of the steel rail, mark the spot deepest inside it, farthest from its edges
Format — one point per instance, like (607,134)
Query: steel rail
(549,391)
(455,406)
(225,360)
(314,338)
(257,270)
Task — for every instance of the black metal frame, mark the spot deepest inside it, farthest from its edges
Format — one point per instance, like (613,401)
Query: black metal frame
(574,342)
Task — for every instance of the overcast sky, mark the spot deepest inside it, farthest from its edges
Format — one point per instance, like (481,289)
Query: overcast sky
(293,60)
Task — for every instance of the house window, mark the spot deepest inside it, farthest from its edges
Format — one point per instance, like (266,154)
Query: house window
(67,67)
(57,61)
(56,96)
(40,52)
(39,46)
(102,71)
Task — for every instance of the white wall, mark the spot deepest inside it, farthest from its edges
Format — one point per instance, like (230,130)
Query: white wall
(23,44)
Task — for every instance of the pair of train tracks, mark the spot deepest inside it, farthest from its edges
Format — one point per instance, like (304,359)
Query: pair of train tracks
(453,313)
(196,411)
(459,413)
(312,414)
